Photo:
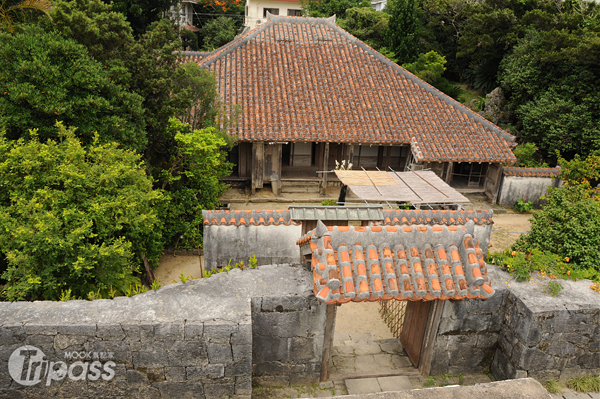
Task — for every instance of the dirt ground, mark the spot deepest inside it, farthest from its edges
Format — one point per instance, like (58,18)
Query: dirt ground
(507,229)
(171,267)
(361,317)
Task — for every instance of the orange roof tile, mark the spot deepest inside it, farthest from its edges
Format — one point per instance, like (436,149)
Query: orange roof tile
(370,264)
(306,79)
(531,172)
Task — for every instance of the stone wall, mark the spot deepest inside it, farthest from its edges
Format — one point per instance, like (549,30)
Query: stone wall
(270,244)
(468,334)
(521,331)
(545,337)
(287,341)
(184,340)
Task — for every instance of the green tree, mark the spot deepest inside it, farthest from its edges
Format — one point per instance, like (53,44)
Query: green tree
(218,32)
(73,218)
(368,25)
(45,77)
(142,13)
(325,9)
(430,67)
(528,156)
(556,102)
(404,29)
(192,181)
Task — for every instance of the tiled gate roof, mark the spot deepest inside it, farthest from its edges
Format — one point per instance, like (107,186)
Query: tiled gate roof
(306,79)
(396,262)
(439,217)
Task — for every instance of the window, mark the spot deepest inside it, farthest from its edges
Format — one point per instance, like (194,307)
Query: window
(273,11)
(294,13)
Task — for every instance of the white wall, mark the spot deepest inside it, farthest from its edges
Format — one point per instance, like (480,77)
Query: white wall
(255,10)
(517,187)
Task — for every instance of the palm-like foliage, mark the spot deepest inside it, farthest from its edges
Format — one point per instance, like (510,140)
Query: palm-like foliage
(8,10)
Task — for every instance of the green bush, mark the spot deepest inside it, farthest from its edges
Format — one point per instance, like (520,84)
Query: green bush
(73,220)
(567,225)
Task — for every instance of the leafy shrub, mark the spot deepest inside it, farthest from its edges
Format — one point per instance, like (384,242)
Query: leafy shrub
(527,156)
(521,264)
(523,205)
(73,218)
(329,202)
(567,225)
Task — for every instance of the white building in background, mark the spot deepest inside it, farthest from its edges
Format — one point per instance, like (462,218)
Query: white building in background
(183,14)
(256,10)
(378,5)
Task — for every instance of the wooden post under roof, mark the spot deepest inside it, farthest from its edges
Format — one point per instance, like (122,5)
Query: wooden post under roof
(325,168)
(258,151)
(328,341)
(351,153)
(449,173)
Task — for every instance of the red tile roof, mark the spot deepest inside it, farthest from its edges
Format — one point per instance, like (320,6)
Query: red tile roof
(306,79)
(417,263)
(531,172)
(436,217)
(247,218)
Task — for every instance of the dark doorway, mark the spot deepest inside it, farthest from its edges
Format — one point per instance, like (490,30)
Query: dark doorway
(286,154)
(469,175)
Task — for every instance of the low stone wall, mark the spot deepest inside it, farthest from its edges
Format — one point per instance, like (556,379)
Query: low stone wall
(521,331)
(545,337)
(270,244)
(184,340)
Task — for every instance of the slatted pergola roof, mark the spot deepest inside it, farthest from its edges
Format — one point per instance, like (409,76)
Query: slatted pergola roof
(416,187)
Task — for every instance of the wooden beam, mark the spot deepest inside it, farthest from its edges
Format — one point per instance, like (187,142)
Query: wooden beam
(328,341)
(325,168)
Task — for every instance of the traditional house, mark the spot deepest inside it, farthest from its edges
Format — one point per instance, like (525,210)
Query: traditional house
(312,94)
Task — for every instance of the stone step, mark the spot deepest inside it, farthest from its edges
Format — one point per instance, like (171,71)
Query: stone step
(361,386)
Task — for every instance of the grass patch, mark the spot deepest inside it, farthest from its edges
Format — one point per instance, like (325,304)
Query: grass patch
(553,386)
(585,384)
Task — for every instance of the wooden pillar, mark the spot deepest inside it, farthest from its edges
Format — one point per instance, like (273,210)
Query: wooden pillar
(325,168)
(387,158)
(258,153)
(351,153)
(449,173)
(276,176)
(328,342)
(430,336)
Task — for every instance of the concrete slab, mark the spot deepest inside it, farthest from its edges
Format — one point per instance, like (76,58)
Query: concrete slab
(525,388)
(362,386)
(398,383)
